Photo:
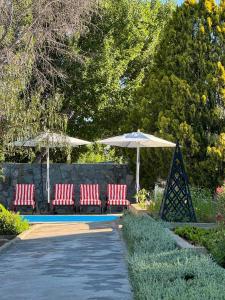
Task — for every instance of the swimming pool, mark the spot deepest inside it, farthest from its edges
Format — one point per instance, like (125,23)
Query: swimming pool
(69,218)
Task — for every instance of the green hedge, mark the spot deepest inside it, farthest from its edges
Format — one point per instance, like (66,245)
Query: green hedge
(158,270)
(11,223)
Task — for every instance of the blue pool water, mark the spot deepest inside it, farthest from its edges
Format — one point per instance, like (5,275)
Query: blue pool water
(68,218)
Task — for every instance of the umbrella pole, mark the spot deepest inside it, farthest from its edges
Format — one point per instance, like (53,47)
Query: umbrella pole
(137,172)
(48,177)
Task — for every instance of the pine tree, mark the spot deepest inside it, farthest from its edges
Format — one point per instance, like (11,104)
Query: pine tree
(183,96)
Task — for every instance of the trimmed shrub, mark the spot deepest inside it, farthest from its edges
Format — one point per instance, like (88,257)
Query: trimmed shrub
(146,235)
(212,239)
(11,223)
(158,270)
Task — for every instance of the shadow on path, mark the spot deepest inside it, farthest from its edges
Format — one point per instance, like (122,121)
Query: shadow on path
(61,261)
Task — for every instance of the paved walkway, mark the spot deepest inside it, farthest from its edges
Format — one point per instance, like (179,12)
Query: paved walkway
(66,261)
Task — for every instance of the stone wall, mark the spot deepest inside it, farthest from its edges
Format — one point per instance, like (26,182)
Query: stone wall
(102,173)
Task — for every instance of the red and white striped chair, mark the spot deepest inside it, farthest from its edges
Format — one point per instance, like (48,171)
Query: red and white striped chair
(24,196)
(117,195)
(64,195)
(90,195)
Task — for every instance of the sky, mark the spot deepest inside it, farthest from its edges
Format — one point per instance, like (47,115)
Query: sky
(179,2)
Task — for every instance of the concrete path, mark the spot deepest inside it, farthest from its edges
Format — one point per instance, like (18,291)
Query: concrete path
(66,261)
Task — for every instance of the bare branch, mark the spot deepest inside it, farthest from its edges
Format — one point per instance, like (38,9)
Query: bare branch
(39,29)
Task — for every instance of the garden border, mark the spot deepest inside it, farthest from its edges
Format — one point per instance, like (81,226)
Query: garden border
(184,244)
(19,237)
(180,242)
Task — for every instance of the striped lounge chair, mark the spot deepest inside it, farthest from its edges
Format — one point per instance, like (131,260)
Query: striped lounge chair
(24,196)
(117,195)
(90,196)
(64,195)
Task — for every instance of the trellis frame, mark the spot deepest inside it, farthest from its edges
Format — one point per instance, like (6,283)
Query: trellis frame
(177,203)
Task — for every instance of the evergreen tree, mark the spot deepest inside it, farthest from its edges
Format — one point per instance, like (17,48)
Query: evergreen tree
(183,96)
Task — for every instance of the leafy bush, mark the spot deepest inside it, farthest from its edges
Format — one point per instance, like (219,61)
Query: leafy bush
(212,239)
(11,223)
(204,204)
(99,153)
(158,270)
(142,196)
(192,234)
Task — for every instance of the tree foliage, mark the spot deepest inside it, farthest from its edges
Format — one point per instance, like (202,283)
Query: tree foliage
(119,44)
(183,96)
(32,35)
(36,29)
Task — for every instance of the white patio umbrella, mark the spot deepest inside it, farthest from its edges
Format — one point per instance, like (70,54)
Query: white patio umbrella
(50,140)
(137,140)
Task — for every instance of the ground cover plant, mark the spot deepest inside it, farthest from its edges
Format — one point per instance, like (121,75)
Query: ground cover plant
(212,239)
(11,223)
(158,270)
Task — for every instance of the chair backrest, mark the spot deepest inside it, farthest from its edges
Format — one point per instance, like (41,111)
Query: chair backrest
(24,192)
(89,192)
(117,191)
(64,191)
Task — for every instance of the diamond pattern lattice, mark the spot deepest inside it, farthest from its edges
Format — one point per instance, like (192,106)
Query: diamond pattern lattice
(177,204)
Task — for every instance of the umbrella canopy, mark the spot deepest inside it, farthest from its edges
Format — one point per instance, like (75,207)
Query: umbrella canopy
(137,140)
(50,140)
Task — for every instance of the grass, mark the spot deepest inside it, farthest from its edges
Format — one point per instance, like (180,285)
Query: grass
(204,204)
(158,270)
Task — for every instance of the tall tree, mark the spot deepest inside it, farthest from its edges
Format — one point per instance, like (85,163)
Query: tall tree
(183,96)
(40,26)
(32,34)
(120,43)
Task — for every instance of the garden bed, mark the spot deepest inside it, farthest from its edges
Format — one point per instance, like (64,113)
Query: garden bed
(184,244)
(213,239)
(159,270)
